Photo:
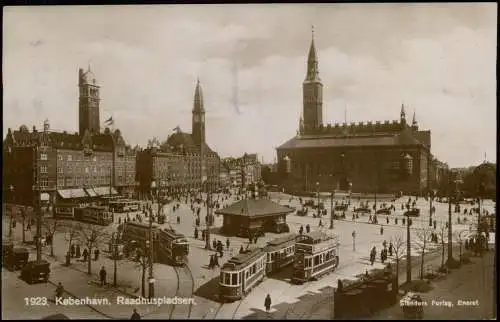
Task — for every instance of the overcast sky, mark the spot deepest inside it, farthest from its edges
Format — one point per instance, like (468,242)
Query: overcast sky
(440,59)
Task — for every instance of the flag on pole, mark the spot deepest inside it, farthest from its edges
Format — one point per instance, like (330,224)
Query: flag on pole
(109,121)
(177,129)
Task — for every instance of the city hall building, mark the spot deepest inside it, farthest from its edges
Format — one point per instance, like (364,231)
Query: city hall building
(385,157)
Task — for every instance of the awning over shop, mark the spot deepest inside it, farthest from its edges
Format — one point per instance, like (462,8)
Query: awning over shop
(91,192)
(105,191)
(72,193)
(44,196)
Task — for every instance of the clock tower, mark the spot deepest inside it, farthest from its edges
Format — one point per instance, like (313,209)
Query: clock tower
(198,127)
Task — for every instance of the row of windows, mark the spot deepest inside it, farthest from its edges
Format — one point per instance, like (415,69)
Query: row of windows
(320,258)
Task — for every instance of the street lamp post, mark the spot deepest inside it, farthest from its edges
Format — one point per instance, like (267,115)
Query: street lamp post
(481,191)
(150,242)
(408,249)
(431,197)
(209,216)
(38,224)
(353,240)
(317,191)
(453,190)
(11,213)
(332,211)
(115,258)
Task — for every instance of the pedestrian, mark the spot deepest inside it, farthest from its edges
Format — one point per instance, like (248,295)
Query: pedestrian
(255,239)
(102,275)
(211,262)
(195,232)
(404,221)
(384,243)
(78,251)
(390,248)
(216,260)
(59,290)
(382,259)
(85,254)
(267,303)
(301,230)
(370,219)
(387,219)
(308,228)
(96,254)
(395,221)
(135,315)
(241,249)
(203,234)
(373,253)
(381,230)
(320,223)
(214,243)
(227,243)
(72,251)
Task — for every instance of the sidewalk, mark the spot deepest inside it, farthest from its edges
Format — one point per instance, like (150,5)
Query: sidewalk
(474,281)
(78,284)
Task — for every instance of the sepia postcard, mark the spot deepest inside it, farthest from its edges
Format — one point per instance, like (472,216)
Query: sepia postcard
(250,161)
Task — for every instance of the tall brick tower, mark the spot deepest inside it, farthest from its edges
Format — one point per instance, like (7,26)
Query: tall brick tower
(198,125)
(88,102)
(312,90)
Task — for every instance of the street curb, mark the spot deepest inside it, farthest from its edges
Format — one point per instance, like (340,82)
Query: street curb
(90,306)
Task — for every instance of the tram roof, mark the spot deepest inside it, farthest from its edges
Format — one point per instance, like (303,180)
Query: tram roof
(140,224)
(241,259)
(254,207)
(172,232)
(283,239)
(317,236)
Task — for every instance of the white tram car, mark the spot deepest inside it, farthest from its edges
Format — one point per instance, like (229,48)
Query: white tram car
(315,255)
(241,274)
(280,252)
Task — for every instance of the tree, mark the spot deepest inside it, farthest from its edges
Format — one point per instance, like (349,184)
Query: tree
(442,235)
(142,259)
(460,235)
(92,236)
(51,225)
(423,236)
(72,234)
(398,246)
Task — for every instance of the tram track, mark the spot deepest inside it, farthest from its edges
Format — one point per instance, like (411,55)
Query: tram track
(185,290)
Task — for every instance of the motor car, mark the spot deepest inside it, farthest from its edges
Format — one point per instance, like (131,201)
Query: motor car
(36,271)
(415,212)
(16,258)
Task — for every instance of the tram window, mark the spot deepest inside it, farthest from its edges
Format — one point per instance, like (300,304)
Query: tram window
(328,256)
(316,260)
(234,279)
(227,280)
(246,274)
(268,257)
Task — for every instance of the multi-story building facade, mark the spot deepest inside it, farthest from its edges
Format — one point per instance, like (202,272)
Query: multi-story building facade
(386,157)
(61,164)
(243,170)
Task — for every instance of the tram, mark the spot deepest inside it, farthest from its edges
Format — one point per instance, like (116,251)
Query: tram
(241,274)
(125,205)
(280,252)
(137,234)
(98,215)
(315,255)
(172,247)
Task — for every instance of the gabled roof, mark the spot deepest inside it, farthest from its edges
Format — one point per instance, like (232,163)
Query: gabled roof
(185,140)
(254,207)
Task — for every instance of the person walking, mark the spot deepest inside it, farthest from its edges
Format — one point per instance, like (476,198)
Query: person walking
(102,275)
(227,243)
(242,250)
(267,303)
(390,249)
(381,230)
(135,315)
(72,251)
(85,254)
(308,228)
(96,254)
(78,251)
(373,254)
(301,230)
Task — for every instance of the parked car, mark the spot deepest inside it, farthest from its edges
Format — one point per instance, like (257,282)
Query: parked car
(363,210)
(341,207)
(383,211)
(16,258)
(415,212)
(36,271)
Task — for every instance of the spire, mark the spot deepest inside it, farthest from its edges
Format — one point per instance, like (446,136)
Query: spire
(312,61)
(301,124)
(403,114)
(414,121)
(198,97)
